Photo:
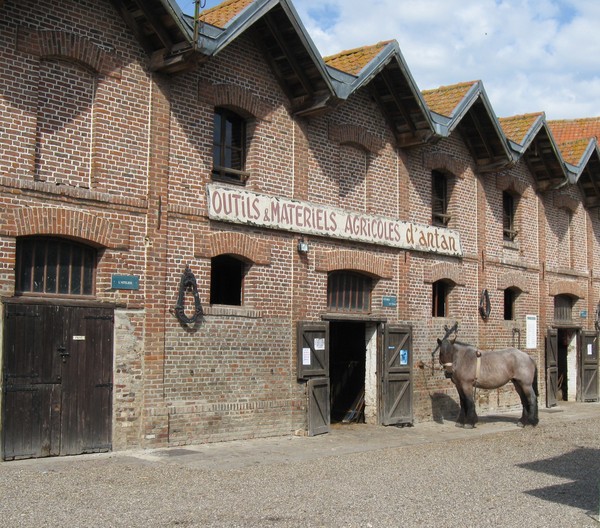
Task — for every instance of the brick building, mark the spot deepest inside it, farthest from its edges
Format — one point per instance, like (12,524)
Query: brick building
(209,232)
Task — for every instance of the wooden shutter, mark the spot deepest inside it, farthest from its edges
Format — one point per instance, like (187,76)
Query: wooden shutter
(313,350)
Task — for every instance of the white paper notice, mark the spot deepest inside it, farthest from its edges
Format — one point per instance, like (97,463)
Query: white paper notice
(531,329)
(590,349)
(306,356)
(319,343)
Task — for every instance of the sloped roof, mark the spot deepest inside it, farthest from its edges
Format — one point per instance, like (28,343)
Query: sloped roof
(517,127)
(445,99)
(567,130)
(354,60)
(221,15)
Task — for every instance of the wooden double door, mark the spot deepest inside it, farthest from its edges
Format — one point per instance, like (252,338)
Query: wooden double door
(57,379)
(393,377)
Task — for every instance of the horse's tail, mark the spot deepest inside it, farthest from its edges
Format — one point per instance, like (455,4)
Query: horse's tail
(535,381)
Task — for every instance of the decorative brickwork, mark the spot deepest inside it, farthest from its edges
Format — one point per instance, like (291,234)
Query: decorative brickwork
(350,134)
(47,44)
(353,260)
(232,96)
(444,162)
(507,182)
(513,280)
(565,287)
(445,271)
(239,244)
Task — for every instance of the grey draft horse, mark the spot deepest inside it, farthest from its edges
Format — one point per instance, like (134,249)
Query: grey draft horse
(470,368)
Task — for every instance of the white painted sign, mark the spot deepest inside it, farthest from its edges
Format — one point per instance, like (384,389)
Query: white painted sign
(531,331)
(319,343)
(247,207)
(78,338)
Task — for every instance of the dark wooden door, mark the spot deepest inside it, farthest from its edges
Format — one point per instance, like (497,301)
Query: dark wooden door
(57,380)
(396,376)
(313,366)
(588,361)
(551,367)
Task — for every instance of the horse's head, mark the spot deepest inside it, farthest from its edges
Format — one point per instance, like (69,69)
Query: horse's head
(446,357)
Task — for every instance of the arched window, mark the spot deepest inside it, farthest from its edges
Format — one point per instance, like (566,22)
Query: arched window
(226,280)
(510,299)
(348,291)
(439,296)
(229,146)
(51,266)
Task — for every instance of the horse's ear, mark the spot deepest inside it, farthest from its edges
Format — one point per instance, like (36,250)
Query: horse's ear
(454,339)
(439,341)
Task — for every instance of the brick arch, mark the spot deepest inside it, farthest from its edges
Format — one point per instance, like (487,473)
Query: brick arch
(48,44)
(68,223)
(445,162)
(229,95)
(354,260)
(567,288)
(513,280)
(444,271)
(239,244)
(507,182)
(353,135)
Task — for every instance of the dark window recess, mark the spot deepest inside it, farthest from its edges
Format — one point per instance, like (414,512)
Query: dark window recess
(439,307)
(508,216)
(226,279)
(563,308)
(50,266)
(349,291)
(439,199)
(510,297)
(229,147)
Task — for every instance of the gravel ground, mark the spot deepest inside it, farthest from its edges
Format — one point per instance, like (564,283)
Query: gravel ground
(547,476)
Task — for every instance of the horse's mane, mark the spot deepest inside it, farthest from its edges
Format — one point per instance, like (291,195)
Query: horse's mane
(462,343)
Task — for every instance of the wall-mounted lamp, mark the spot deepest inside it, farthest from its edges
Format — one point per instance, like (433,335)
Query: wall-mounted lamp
(302,246)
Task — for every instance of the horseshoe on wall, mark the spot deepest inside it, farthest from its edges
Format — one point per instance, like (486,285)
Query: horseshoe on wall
(188,283)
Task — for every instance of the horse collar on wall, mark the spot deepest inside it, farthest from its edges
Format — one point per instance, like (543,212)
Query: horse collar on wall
(188,283)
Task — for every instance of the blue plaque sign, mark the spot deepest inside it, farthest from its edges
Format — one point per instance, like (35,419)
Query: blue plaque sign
(390,301)
(125,282)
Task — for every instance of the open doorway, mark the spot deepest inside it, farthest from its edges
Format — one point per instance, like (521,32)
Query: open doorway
(566,387)
(347,349)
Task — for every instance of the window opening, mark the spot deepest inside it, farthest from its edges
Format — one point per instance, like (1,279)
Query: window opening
(349,291)
(229,146)
(226,280)
(439,199)
(510,298)
(508,216)
(50,266)
(563,308)
(440,291)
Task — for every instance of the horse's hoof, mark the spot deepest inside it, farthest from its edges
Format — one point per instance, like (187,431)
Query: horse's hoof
(459,424)
(469,426)
(520,424)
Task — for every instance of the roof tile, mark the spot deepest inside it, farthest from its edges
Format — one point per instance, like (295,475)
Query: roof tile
(354,60)
(516,127)
(445,99)
(571,129)
(220,15)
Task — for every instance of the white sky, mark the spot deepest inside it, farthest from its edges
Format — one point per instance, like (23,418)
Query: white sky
(532,55)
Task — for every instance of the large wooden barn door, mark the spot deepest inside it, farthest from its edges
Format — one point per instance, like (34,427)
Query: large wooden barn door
(551,367)
(313,366)
(396,376)
(588,362)
(57,397)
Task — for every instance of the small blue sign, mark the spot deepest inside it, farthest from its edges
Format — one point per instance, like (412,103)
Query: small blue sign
(390,301)
(583,314)
(125,282)
(403,357)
